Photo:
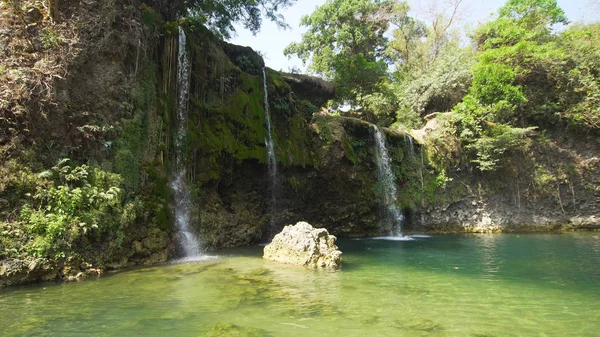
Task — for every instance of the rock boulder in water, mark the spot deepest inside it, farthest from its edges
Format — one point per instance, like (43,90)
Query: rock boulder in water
(304,245)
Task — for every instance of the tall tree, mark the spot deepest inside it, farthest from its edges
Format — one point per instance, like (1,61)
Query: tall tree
(53,8)
(405,48)
(519,20)
(345,42)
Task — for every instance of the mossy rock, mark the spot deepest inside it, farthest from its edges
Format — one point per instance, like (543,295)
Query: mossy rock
(313,89)
(244,57)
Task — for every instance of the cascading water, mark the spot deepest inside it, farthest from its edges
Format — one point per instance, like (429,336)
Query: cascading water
(411,145)
(270,144)
(189,243)
(387,180)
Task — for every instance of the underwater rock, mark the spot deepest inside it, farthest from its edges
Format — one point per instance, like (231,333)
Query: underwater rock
(304,245)
(229,329)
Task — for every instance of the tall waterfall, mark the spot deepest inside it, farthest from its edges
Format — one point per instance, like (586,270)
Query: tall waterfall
(271,160)
(189,243)
(387,180)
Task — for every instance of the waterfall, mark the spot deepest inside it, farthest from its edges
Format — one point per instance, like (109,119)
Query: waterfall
(270,144)
(410,143)
(387,180)
(190,245)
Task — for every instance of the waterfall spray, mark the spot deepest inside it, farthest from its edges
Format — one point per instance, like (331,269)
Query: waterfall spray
(386,178)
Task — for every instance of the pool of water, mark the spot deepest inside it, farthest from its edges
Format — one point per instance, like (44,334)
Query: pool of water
(480,285)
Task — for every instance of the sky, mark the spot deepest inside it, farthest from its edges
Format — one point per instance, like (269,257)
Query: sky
(271,41)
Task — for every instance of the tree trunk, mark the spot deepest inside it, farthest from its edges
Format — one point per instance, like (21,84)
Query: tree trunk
(53,7)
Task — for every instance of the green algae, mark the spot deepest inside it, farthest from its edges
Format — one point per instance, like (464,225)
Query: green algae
(232,330)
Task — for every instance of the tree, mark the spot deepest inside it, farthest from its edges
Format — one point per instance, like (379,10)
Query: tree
(513,76)
(220,15)
(519,75)
(519,20)
(53,8)
(405,48)
(345,43)
(441,23)
(416,45)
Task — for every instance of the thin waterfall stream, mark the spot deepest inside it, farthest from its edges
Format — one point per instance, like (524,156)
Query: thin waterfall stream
(387,180)
(189,242)
(271,159)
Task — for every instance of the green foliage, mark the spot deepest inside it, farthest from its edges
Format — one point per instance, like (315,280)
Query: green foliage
(524,73)
(50,39)
(16,181)
(437,88)
(79,201)
(132,145)
(345,43)
(151,18)
(407,47)
(496,143)
(236,127)
(349,150)
(221,15)
(382,101)
(582,82)
(443,147)
(521,20)
(543,179)
(356,76)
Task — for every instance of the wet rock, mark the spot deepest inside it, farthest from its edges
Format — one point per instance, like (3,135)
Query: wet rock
(304,245)
(14,271)
(117,264)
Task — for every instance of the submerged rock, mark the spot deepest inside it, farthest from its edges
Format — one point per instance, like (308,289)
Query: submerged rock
(229,329)
(304,245)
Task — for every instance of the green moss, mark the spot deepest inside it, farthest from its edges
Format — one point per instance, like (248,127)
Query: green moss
(293,143)
(171,28)
(322,127)
(349,150)
(151,18)
(276,83)
(306,109)
(135,134)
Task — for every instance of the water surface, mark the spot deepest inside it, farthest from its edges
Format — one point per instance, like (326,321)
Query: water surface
(483,285)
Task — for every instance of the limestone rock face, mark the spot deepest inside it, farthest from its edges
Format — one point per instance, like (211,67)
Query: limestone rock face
(304,245)
(13,271)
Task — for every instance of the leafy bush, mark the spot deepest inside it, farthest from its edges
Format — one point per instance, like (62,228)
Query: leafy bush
(50,39)
(78,201)
(438,88)
(491,149)
(583,81)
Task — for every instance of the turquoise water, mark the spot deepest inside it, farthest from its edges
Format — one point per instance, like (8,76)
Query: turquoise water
(483,285)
